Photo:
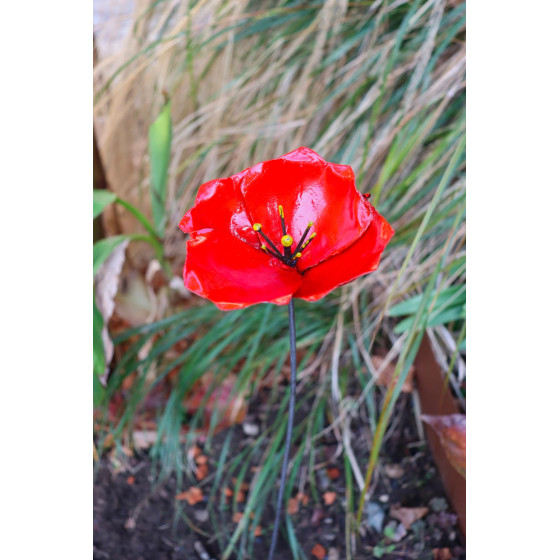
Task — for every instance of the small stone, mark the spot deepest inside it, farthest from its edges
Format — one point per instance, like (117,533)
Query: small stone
(329,537)
(395,532)
(384,498)
(130,524)
(328,521)
(201,515)
(418,528)
(438,504)
(394,471)
(375,516)
(333,554)
(400,533)
(316,516)
(324,481)
(250,429)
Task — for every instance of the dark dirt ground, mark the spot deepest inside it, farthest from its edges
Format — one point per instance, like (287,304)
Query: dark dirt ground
(134,517)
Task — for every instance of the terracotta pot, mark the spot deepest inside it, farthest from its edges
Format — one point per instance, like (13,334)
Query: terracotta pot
(436,398)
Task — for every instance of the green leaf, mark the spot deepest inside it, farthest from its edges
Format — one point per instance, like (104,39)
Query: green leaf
(454,295)
(98,391)
(103,248)
(101,198)
(439,317)
(159,145)
(98,348)
(389,532)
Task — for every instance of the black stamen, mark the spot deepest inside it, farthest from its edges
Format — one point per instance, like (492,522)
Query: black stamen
(293,261)
(275,251)
(304,246)
(289,257)
(299,245)
(281,212)
(287,250)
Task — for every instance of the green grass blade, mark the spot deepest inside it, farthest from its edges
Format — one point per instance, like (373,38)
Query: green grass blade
(101,199)
(159,141)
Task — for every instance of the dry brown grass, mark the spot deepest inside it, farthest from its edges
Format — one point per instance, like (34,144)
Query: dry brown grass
(239,101)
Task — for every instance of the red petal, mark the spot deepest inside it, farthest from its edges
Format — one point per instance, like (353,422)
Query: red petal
(233,275)
(360,258)
(310,190)
(219,206)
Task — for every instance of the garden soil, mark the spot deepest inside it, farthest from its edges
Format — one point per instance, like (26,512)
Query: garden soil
(407,516)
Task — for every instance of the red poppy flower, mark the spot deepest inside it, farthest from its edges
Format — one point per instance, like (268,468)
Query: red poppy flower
(289,227)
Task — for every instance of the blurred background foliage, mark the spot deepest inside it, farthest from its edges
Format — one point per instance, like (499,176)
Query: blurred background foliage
(186,91)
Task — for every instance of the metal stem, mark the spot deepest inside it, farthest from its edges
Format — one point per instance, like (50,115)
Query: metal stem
(291,411)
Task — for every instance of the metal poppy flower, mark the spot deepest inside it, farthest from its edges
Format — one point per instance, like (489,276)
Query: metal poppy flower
(289,227)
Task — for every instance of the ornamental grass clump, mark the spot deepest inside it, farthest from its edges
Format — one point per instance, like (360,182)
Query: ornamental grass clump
(291,227)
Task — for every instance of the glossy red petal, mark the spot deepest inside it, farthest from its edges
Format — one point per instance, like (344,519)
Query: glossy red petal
(219,206)
(233,275)
(310,190)
(360,258)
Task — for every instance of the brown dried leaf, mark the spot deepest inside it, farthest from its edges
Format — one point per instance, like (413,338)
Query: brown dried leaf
(333,473)
(106,287)
(319,551)
(386,375)
(237,516)
(407,516)
(109,441)
(258,531)
(293,506)
(135,302)
(442,554)
(452,432)
(329,498)
(201,472)
(229,402)
(302,498)
(130,480)
(193,496)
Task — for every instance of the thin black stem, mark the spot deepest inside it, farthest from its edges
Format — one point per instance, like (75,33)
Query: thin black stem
(291,411)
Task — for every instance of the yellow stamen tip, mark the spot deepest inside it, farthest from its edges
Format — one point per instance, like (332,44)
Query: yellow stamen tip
(257,227)
(298,255)
(312,235)
(309,224)
(287,241)
(263,247)
(281,210)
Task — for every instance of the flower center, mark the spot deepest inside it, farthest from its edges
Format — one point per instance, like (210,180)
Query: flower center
(288,257)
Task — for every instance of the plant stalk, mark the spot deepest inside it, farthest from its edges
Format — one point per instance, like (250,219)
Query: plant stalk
(291,411)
